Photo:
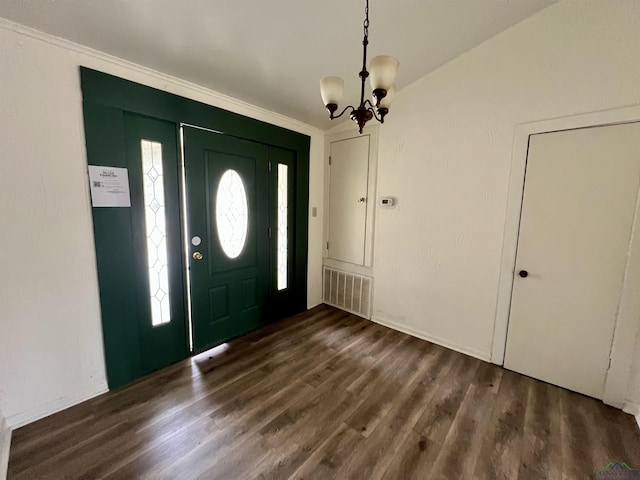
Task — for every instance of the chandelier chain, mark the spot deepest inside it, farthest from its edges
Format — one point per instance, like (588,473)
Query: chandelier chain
(365,41)
(366,20)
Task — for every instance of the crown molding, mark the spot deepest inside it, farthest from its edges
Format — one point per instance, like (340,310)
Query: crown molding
(216,98)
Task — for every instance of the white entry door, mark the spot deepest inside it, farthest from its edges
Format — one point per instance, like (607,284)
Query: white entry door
(580,195)
(348,185)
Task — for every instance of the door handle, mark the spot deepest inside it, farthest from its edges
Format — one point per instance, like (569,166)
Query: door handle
(197,256)
(523,273)
(362,200)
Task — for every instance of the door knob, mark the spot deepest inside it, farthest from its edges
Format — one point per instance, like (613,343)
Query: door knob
(197,256)
(361,200)
(523,273)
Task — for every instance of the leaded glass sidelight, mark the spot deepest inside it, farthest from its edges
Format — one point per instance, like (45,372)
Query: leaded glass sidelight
(155,224)
(232,213)
(283,226)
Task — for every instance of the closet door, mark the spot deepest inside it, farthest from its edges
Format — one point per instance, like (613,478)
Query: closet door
(348,185)
(580,195)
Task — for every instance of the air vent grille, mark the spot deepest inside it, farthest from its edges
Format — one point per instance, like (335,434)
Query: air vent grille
(348,291)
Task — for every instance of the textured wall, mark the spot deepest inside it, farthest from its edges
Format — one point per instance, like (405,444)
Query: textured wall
(51,353)
(445,152)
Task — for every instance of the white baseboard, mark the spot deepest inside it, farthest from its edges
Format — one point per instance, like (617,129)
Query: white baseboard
(485,356)
(23,418)
(5,444)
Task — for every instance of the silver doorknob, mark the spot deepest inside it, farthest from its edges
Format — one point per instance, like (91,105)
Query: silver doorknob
(362,200)
(197,256)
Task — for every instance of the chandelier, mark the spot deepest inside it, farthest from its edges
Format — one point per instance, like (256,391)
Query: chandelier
(383,73)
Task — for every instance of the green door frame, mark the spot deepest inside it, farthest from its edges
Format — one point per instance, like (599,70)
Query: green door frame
(106,99)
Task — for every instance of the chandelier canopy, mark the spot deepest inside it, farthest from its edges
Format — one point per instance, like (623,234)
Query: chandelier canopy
(382,75)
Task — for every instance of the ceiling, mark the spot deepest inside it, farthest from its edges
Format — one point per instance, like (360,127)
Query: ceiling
(273,53)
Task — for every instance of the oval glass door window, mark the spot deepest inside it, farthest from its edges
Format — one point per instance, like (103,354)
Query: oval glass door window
(232,213)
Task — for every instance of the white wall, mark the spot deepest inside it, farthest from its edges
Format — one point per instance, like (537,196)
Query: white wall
(445,152)
(51,353)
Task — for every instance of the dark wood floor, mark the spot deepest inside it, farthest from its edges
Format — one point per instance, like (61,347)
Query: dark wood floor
(328,395)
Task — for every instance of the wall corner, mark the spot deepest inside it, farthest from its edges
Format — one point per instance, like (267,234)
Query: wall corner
(5,444)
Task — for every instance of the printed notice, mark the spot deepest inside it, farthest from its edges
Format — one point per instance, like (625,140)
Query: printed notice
(109,186)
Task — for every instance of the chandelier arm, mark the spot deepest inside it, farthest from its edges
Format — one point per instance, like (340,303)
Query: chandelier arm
(367,103)
(375,114)
(342,112)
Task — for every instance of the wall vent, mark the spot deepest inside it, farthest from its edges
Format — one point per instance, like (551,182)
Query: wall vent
(347,291)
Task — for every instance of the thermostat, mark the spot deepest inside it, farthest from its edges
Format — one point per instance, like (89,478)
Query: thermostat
(387,202)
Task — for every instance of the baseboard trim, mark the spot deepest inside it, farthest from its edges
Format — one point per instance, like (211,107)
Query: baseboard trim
(484,356)
(5,445)
(20,419)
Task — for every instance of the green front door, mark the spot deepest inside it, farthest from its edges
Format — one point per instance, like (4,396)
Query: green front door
(227,200)
(144,313)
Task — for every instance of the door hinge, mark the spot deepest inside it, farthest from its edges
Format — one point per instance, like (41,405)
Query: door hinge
(269,231)
(329,159)
(269,165)
(327,245)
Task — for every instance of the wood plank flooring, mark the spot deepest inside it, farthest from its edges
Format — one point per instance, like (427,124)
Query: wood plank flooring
(328,395)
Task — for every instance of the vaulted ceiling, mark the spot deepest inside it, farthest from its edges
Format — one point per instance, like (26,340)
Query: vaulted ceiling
(273,53)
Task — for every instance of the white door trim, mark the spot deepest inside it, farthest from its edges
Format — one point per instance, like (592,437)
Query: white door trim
(627,329)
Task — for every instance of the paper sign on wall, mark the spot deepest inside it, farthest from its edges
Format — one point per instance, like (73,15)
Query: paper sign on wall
(109,186)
